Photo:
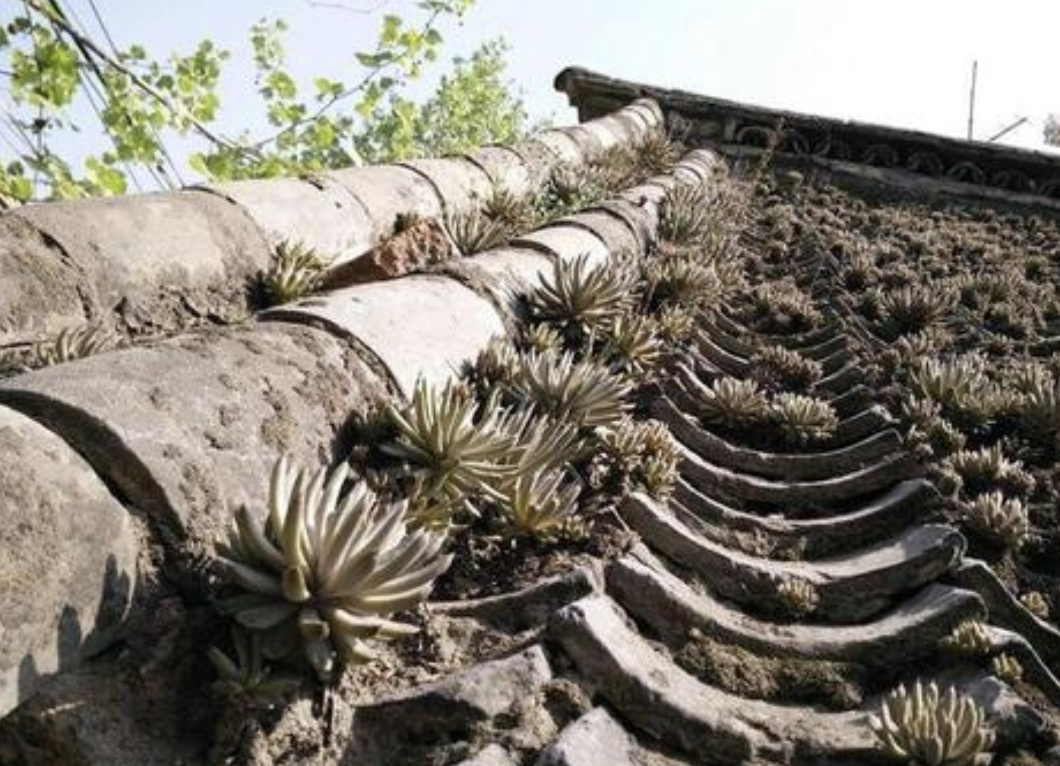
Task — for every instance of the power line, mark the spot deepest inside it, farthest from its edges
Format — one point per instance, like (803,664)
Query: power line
(96,85)
(114,49)
(119,66)
(90,87)
(102,26)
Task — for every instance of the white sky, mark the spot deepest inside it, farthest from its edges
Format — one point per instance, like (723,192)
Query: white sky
(902,62)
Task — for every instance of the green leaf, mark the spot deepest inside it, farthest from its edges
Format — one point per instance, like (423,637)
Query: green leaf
(109,179)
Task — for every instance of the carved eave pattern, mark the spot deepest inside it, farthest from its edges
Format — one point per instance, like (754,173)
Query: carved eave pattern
(712,121)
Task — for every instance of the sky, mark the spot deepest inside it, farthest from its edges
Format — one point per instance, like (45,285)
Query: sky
(905,63)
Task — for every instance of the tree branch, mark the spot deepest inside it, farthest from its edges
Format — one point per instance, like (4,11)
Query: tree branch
(92,51)
(351,91)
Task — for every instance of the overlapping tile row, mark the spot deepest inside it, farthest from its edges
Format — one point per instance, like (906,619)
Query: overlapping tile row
(845,517)
(159,441)
(151,447)
(152,263)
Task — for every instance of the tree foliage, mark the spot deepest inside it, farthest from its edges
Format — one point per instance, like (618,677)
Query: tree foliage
(142,103)
(1052,129)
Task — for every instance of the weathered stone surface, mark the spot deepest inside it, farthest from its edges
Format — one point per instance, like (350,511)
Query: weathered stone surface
(883,516)
(1006,610)
(595,739)
(460,184)
(566,243)
(385,192)
(591,143)
(423,244)
(320,213)
(189,428)
(41,288)
(861,426)
(839,381)
(696,166)
(418,326)
(649,109)
(641,219)
(838,359)
(796,341)
(614,232)
(851,587)
(852,401)
(916,162)
(726,362)
(502,274)
(506,168)
(559,144)
(648,193)
(529,607)
(790,466)
(538,158)
(491,755)
(455,704)
(99,714)
(656,696)
(711,479)
(154,261)
(68,554)
(905,634)
(1035,671)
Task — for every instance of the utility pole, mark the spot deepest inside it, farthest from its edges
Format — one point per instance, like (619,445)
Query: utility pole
(971,99)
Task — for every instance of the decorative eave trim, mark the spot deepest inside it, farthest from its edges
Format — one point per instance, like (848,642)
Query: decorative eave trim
(715,121)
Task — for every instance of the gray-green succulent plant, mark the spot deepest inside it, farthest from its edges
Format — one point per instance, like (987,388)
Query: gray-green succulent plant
(674,324)
(685,215)
(247,672)
(988,468)
(1039,413)
(472,231)
(580,297)
(543,504)
(496,365)
(542,338)
(927,727)
(970,638)
(540,443)
(635,455)
(797,597)
(655,153)
(75,343)
(781,368)
(782,307)
(1034,602)
(451,443)
(514,213)
(912,308)
(296,271)
(1007,668)
(631,344)
(803,419)
(733,403)
(681,280)
(569,189)
(583,393)
(327,568)
(1004,521)
(953,383)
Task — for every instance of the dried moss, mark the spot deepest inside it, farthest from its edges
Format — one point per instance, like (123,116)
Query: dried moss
(836,685)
